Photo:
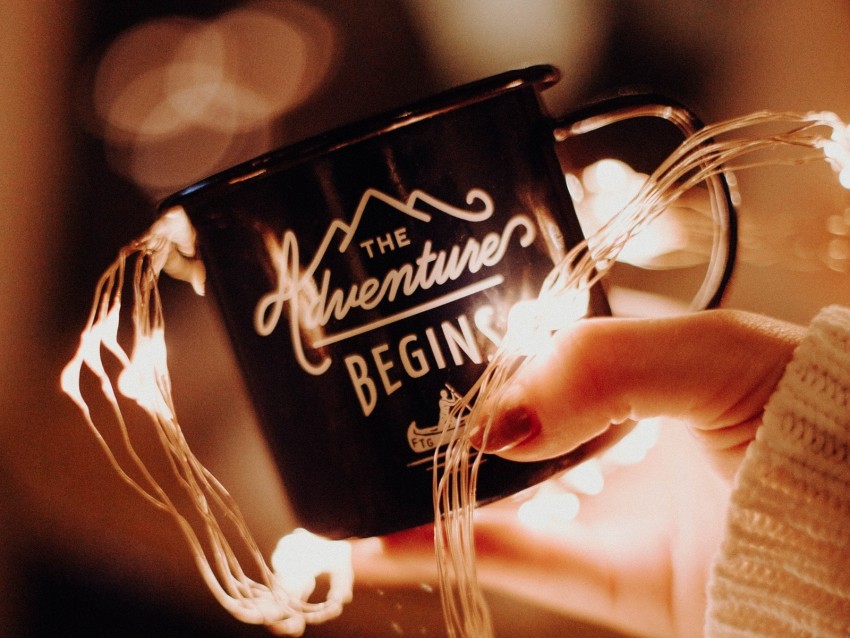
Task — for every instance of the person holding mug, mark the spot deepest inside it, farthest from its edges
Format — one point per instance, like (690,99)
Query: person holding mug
(769,404)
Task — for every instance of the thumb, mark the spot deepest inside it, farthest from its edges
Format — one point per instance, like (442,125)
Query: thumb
(715,368)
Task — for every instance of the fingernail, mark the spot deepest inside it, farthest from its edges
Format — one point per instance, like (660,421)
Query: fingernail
(510,428)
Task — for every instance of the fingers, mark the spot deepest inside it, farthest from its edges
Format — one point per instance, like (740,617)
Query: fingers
(715,369)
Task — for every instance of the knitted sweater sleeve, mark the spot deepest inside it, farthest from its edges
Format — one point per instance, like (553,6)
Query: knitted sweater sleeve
(784,565)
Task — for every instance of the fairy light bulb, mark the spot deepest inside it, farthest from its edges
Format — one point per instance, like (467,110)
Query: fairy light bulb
(532,322)
(300,557)
(603,190)
(585,478)
(634,447)
(844,177)
(549,509)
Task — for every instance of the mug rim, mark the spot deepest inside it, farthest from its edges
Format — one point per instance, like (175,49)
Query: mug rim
(339,137)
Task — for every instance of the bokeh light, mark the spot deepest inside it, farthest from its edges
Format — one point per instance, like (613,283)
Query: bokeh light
(474,38)
(554,504)
(178,98)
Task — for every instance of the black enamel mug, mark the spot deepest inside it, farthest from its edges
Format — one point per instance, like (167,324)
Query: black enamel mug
(365,276)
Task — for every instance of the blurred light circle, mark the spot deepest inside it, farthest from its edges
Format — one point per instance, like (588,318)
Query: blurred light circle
(178,98)
(167,163)
(128,84)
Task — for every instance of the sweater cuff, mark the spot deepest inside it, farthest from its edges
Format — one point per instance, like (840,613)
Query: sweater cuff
(784,566)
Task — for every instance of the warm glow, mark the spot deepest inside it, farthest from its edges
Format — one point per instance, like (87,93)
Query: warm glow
(138,380)
(185,86)
(532,322)
(634,447)
(837,149)
(178,98)
(555,503)
(844,177)
(613,178)
(301,557)
(180,263)
(549,509)
(277,599)
(474,38)
(839,249)
(603,190)
(585,478)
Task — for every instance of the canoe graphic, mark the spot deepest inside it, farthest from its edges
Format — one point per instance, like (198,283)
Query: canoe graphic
(426,439)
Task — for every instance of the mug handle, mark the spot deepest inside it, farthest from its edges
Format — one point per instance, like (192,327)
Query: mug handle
(724,244)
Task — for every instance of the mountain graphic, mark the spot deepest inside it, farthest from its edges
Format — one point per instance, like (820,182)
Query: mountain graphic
(316,302)
(408,207)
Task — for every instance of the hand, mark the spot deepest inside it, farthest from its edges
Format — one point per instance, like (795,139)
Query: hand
(714,369)
(637,557)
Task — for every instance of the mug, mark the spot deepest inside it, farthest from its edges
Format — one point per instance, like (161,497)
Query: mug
(365,276)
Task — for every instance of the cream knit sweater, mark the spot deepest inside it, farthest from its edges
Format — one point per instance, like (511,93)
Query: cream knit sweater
(783,569)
